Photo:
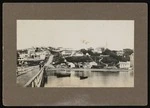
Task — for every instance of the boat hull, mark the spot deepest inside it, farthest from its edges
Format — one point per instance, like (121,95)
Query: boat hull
(63,75)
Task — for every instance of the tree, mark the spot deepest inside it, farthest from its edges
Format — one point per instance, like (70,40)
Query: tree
(110,60)
(84,51)
(78,59)
(18,55)
(18,58)
(90,51)
(110,53)
(128,51)
(103,49)
(114,58)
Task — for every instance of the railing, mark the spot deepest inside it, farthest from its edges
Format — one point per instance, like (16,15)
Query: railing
(36,80)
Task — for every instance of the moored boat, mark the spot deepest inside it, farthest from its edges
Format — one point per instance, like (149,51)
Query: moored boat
(83,77)
(63,74)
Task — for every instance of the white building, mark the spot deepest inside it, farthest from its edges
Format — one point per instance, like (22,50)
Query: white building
(92,64)
(77,53)
(104,55)
(87,54)
(42,56)
(23,56)
(132,60)
(31,52)
(124,65)
(66,52)
(98,50)
(71,65)
(39,53)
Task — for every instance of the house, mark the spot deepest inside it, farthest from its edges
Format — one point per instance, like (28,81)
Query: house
(39,53)
(124,65)
(23,55)
(120,53)
(31,52)
(98,50)
(42,54)
(60,48)
(132,60)
(71,65)
(77,53)
(87,54)
(104,56)
(92,64)
(42,57)
(66,52)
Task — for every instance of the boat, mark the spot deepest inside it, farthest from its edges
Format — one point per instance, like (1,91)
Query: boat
(83,77)
(63,75)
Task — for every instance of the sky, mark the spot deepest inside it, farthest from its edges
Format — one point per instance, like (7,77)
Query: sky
(113,34)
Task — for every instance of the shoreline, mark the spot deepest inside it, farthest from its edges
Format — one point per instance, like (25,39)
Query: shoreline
(81,69)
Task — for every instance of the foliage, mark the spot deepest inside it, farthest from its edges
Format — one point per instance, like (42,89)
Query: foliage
(96,58)
(90,52)
(84,51)
(114,56)
(110,60)
(58,59)
(18,55)
(78,59)
(128,51)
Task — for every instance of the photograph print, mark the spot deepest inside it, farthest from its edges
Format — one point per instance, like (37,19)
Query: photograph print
(75,53)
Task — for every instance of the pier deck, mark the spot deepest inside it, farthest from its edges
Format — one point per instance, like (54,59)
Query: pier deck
(24,78)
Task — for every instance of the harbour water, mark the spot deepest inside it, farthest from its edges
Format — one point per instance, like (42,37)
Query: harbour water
(88,78)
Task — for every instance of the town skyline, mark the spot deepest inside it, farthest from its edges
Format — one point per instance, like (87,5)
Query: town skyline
(71,48)
(75,34)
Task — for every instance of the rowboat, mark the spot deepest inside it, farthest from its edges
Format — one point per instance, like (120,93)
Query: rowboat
(83,77)
(63,75)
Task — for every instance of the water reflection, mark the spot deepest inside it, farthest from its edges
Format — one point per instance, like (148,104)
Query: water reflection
(87,78)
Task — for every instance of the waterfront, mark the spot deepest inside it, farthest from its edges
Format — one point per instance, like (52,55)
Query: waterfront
(94,79)
(100,58)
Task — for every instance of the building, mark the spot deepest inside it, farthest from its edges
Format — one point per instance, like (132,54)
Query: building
(77,53)
(31,52)
(132,60)
(66,52)
(42,54)
(42,57)
(87,54)
(71,65)
(22,56)
(124,65)
(104,56)
(92,64)
(98,50)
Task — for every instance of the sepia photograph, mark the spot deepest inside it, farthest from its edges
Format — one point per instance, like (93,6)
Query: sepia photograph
(75,53)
